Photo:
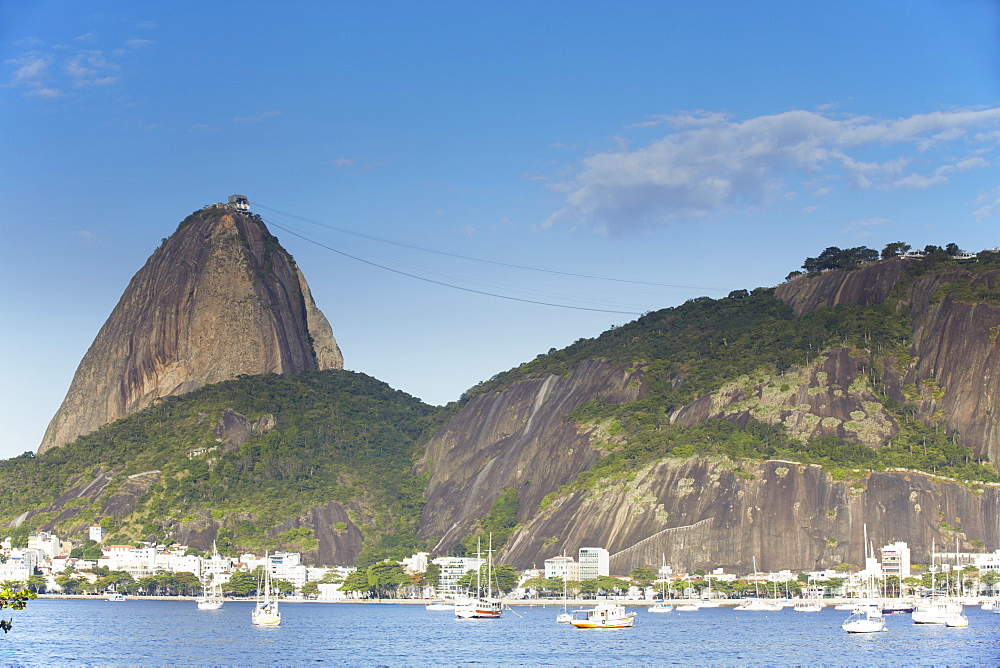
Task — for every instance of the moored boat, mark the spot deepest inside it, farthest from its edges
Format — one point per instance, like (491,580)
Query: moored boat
(481,606)
(440,604)
(212,600)
(959,620)
(603,616)
(866,619)
(266,612)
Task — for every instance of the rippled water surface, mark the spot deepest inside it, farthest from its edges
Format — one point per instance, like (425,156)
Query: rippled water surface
(82,632)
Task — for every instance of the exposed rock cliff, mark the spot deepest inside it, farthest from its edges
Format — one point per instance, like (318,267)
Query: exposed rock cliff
(220,298)
(698,513)
(517,437)
(954,376)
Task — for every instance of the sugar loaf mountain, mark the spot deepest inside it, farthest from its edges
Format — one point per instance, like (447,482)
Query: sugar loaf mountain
(776,422)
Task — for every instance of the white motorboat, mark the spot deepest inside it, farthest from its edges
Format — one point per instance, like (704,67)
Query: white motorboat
(603,616)
(809,605)
(115,596)
(957,621)
(688,606)
(660,606)
(866,619)
(440,604)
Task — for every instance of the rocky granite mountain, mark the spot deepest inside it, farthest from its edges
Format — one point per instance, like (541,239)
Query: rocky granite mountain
(773,423)
(220,298)
(891,356)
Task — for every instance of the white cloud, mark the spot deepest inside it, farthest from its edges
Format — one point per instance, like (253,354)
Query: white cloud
(90,68)
(809,209)
(709,163)
(989,202)
(860,229)
(258,118)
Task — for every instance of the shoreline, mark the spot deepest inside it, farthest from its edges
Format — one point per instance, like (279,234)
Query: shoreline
(531,603)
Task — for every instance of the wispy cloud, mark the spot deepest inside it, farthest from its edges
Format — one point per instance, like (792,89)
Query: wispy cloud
(989,204)
(861,229)
(57,70)
(258,118)
(709,164)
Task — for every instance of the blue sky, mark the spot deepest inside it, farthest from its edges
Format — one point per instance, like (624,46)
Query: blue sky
(691,148)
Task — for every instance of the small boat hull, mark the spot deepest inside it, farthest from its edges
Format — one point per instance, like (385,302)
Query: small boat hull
(603,616)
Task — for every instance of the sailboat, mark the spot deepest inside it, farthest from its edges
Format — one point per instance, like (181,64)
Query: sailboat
(564,617)
(867,617)
(661,605)
(479,606)
(212,600)
(757,603)
(266,611)
(809,604)
(936,610)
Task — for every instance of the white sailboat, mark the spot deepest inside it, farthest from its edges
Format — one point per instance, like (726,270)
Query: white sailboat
(564,617)
(212,600)
(809,604)
(266,613)
(935,610)
(479,606)
(758,604)
(867,617)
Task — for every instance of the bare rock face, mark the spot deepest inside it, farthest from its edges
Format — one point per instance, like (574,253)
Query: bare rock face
(953,377)
(517,437)
(698,513)
(867,286)
(219,299)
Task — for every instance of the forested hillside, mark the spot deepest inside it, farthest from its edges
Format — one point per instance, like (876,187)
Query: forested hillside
(311,439)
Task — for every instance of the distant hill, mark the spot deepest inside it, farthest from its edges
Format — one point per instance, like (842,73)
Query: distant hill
(318,462)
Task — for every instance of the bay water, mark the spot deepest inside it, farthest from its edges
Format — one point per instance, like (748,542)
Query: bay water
(137,632)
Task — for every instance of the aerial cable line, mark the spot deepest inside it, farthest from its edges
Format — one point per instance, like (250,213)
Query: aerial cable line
(480,259)
(442,283)
(532,289)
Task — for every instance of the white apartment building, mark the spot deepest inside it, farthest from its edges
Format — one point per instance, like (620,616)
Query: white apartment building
(452,570)
(97,533)
(138,562)
(896,560)
(989,562)
(565,568)
(20,565)
(595,562)
(46,544)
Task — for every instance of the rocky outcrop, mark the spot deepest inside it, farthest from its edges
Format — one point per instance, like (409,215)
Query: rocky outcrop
(832,397)
(866,286)
(953,377)
(701,513)
(220,298)
(517,437)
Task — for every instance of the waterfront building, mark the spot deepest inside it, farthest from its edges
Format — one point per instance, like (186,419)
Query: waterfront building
(595,562)
(97,533)
(20,565)
(417,563)
(896,560)
(452,570)
(988,562)
(565,568)
(45,543)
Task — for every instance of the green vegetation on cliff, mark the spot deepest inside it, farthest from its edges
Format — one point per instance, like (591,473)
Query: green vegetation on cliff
(337,436)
